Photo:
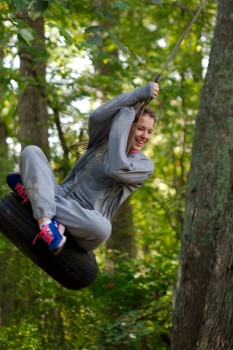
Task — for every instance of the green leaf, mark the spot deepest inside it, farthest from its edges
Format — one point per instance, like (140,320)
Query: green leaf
(18,4)
(66,35)
(41,5)
(158,2)
(120,5)
(36,8)
(110,17)
(38,5)
(51,25)
(95,40)
(153,2)
(63,32)
(93,29)
(93,35)
(26,34)
(119,44)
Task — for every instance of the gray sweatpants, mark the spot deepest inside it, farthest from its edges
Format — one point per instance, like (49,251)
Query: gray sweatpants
(89,227)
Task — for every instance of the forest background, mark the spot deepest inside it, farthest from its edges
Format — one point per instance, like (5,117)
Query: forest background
(94,50)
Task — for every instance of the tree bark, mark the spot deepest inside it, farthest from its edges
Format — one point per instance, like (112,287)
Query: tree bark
(3,143)
(3,127)
(203,304)
(32,99)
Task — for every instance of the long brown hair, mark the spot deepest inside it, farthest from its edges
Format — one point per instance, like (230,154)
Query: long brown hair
(147,110)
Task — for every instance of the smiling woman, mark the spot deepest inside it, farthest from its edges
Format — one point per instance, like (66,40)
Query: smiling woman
(110,170)
(141,130)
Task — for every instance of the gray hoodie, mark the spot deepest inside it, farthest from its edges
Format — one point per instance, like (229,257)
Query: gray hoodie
(105,175)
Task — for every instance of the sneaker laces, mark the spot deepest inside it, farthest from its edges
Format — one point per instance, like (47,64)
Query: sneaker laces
(45,234)
(22,192)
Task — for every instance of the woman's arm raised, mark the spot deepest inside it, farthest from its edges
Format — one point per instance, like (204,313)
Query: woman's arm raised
(101,118)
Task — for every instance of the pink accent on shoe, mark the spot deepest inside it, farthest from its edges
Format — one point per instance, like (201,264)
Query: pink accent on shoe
(45,234)
(19,188)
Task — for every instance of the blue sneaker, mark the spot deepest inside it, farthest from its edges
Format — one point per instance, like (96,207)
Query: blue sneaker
(52,234)
(14,181)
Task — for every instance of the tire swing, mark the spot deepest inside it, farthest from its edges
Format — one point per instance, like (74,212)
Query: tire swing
(73,268)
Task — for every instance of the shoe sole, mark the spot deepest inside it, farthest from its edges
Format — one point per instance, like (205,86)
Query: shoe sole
(57,250)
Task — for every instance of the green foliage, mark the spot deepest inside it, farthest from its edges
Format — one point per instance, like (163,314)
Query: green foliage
(120,5)
(37,8)
(102,48)
(138,294)
(128,305)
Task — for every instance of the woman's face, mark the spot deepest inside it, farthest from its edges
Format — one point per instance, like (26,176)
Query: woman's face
(142,134)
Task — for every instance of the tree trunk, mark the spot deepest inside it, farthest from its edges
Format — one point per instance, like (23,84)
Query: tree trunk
(203,306)
(32,98)
(33,130)
(3,144)
(4,164)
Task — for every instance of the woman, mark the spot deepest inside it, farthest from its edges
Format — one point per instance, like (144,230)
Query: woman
(110,170)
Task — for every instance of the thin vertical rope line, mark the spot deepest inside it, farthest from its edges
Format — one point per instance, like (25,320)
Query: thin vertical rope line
(183,36)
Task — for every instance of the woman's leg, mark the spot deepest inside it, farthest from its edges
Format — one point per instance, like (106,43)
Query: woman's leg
(39,181)
(89,227)
(41,186)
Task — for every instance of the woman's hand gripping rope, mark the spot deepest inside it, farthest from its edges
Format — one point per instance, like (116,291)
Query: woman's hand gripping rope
(155,90)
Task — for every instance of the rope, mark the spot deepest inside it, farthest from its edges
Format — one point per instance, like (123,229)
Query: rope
(171,56)
(183,36)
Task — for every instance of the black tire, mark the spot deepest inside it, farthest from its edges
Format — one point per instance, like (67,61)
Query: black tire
(73,268)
